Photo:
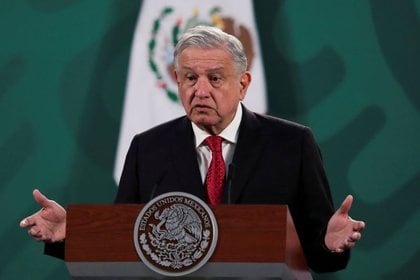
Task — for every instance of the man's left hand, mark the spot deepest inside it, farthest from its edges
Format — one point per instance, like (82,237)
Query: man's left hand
(343,232)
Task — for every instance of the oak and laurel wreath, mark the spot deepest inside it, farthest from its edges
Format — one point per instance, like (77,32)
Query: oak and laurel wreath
(177,265)
(152,46)
(175,35)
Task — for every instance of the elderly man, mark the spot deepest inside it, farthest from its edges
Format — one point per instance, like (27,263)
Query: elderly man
(275,161)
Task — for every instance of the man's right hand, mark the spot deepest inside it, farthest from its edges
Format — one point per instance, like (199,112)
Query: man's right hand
(49,223)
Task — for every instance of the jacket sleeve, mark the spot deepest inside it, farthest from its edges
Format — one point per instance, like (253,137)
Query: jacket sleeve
(128,187)
(314,209)
(56,249)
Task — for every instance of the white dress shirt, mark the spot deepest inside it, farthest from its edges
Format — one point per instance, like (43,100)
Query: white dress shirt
(230,137)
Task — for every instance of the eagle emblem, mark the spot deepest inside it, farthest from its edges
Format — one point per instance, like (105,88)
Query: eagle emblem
(175,234)
(167,28)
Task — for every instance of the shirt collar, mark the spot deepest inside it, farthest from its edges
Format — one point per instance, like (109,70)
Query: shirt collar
(230,133)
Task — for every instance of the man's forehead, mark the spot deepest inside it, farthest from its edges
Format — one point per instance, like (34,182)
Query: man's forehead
(211,53)
(211,59)
(207,69)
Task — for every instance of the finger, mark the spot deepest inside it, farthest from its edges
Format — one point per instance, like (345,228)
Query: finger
(24,223)
(359,225)
(349,245)
(39,237)
(35,231)
(37,234)
(339,250)
(355,236)
(41,199)
(27,222)
(346,205)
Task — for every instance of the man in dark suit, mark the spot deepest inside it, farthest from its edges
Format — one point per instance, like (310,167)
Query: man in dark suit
(267,160)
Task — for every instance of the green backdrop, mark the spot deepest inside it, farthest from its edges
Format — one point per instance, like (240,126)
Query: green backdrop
(348,69)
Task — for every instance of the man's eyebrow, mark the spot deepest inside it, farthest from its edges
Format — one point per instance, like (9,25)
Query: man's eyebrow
(186,68)
(211,70)
(217,69)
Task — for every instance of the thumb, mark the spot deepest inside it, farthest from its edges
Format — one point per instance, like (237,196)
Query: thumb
(346,205)
(41,199)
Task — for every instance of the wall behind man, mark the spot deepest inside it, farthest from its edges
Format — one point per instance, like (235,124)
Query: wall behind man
(347,69)
(63,68)
(350,70)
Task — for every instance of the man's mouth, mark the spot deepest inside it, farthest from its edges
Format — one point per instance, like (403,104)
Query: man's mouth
(200,106)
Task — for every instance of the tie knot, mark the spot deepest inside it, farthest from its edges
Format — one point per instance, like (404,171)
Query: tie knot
(214,143)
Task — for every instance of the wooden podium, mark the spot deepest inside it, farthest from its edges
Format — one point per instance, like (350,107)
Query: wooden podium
(255,241)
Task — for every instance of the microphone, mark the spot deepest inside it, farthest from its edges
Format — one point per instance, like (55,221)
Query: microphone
(156,185)
(230,177)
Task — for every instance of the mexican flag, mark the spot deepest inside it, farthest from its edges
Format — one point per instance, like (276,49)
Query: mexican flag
(151,94)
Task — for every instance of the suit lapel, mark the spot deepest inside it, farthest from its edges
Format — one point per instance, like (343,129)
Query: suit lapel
(247,152)
(184,160)
(248,149)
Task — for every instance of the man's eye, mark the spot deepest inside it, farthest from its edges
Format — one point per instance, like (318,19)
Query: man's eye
(190,78)
(215,79)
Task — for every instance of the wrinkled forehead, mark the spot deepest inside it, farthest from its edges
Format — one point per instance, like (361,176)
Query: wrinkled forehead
(198,58)
(205,57)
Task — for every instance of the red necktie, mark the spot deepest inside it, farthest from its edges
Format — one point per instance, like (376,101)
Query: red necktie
(216,174)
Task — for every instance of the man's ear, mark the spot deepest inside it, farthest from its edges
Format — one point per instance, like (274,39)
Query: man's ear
(245,81)
(175,76)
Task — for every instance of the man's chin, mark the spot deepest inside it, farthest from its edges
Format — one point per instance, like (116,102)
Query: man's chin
(203,120)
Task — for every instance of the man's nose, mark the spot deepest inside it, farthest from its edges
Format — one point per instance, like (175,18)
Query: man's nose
(202,87)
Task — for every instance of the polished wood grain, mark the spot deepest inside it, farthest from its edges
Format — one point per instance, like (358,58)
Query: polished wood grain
(247,233)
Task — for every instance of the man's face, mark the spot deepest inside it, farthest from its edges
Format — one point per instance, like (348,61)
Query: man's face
(210,87)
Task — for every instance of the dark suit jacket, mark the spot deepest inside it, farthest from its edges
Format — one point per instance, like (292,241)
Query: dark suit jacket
(276,162)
